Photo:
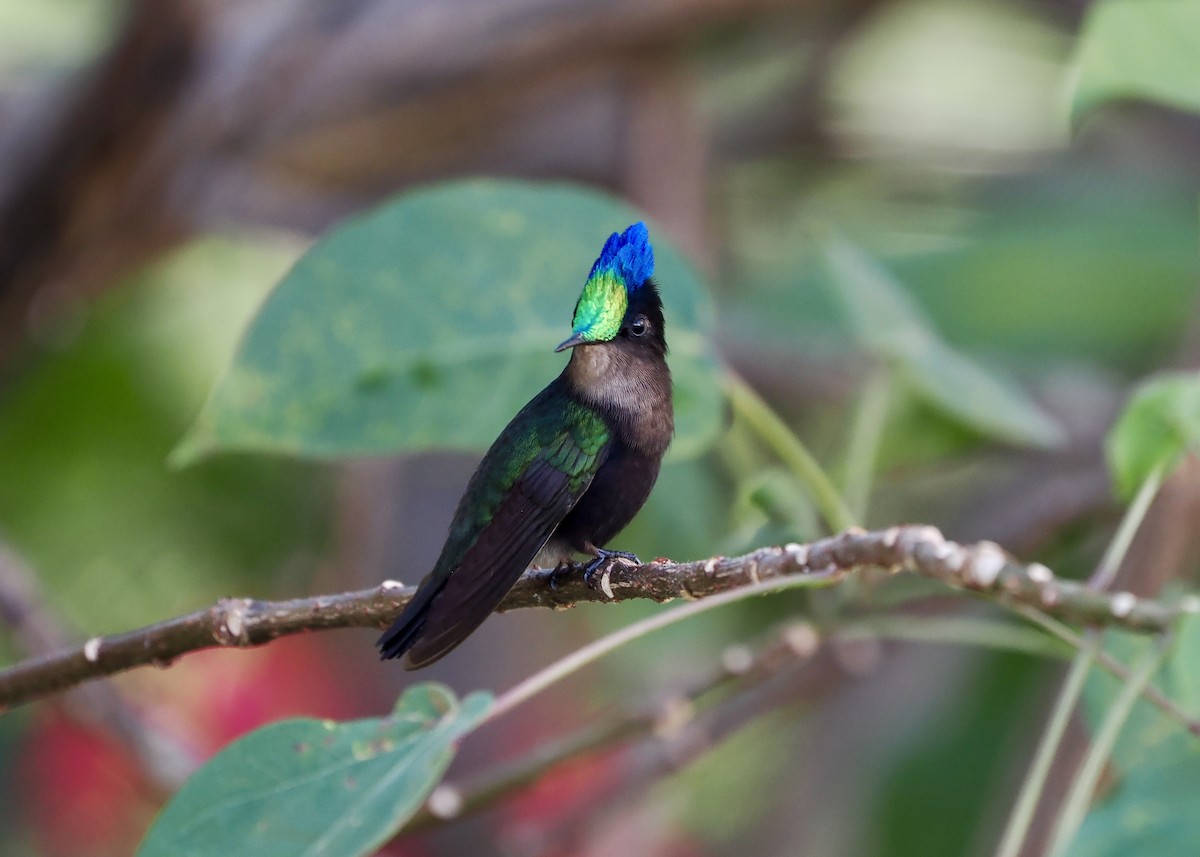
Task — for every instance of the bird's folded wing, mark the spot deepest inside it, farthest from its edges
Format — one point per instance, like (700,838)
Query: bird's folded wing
(539,499)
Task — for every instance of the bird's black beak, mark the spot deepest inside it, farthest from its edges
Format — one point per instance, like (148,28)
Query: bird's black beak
(576,339)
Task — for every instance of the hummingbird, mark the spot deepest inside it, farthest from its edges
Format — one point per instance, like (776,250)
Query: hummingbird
(569,471)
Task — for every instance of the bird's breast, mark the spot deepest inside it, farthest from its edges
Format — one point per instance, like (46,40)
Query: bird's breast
(634,395)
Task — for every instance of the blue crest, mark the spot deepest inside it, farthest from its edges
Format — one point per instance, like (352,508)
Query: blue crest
(628,256)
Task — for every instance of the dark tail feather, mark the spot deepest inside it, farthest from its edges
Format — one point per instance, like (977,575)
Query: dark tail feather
(443,629)
(403,633)
(468,596)
(451,603)
(441,616)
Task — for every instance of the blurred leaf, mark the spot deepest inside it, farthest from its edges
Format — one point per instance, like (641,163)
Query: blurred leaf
(772,507)
(1159,424)
(41,37)
(1033,268)
(308,787)
(756,759)
(1143,49)
(429,322)
(889,324)
(1152,812)
(1044,271)
(884,319)
(1149,737)
(959,749)
(920,434)
(985,78)
(85,429)
(988,402)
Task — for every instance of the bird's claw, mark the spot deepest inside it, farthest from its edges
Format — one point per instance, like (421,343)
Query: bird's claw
(563,565)
(605,559)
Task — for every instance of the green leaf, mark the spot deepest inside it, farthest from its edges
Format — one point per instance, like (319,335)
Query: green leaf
(1143,49)
(980,271)
(1152,808)
(890,325)
(771,506)
(85,426)
(1149,736)
(429,322)
(309,787)
(1159,424)
(38,38)
(1152,812)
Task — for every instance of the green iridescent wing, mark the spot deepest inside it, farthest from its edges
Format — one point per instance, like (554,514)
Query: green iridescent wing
(533,475)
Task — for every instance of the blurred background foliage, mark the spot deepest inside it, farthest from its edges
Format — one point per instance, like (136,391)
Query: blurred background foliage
(164,164)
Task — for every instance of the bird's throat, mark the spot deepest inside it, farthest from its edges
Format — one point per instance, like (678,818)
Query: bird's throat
(631,386)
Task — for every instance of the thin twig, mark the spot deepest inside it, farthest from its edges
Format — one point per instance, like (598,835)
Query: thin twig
(1001,635)
(1083,785)
(982,568)
(742,669)
(866,436)
(1017,830)
(625,791)
(597,649)
(1131,522)
(1112,666)
(748,404)
(1019,822)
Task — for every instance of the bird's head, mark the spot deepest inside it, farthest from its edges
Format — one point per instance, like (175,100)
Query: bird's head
(620,301)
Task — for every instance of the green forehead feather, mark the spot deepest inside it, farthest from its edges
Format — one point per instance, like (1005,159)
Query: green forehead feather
(624,265)
(600,309)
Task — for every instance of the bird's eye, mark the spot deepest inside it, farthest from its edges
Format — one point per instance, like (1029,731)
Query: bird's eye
(638,326)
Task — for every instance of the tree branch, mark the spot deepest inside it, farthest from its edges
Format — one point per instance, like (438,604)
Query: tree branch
(236,622)
(742,670)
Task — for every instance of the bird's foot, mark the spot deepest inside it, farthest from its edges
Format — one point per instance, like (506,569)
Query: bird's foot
(605,559)
(564,565)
